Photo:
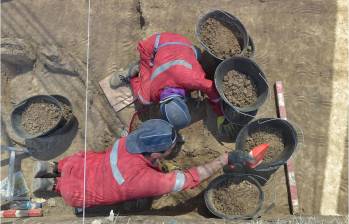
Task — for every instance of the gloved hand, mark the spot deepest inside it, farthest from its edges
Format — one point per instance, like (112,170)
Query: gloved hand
(239,158)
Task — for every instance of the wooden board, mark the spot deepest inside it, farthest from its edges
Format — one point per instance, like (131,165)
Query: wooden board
(118,98)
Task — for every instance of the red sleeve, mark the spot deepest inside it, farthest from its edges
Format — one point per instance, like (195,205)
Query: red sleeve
(156,183)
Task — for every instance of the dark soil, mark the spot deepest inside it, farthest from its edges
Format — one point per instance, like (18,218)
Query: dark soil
(221,40)
(266,135)
(239,89)
(40,116)
(235,199)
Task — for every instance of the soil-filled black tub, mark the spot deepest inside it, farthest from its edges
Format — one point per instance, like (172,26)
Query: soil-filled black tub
(36,116)
(222,34)
(234,196)
(278,133)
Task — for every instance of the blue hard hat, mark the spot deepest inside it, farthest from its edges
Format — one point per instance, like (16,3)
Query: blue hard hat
(155,135)
(176,112)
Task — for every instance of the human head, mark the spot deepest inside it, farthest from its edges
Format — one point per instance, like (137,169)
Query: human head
(176,112)
(154,136)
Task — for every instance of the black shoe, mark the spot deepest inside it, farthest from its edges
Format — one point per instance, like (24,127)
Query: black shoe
(43,185)
(45,169)
(118,80)
(133,69)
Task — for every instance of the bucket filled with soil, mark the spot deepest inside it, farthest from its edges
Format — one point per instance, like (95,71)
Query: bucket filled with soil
(222,34)
(36,116)
(242,85)
(234,196)
(279,134)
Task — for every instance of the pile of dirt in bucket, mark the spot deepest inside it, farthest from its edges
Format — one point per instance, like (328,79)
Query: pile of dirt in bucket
(235,199)
(67,112)
(268,135)
(40,116)
(239,89)
(221,40)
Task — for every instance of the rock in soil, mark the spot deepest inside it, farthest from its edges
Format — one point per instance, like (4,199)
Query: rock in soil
(221,40)
(235,199)
(239,89)
(271,136)
(40,116)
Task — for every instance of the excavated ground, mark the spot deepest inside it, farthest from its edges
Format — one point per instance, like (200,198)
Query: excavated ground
(295,43)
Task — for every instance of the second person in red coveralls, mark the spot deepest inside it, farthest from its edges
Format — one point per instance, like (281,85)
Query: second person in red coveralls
(168,69)
(125,171)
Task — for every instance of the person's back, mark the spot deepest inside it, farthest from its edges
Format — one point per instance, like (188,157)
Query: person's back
(173,63)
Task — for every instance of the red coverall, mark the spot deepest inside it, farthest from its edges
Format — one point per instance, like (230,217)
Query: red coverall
(169,60)
(115,176)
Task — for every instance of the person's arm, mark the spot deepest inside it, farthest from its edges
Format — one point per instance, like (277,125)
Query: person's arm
(207,170)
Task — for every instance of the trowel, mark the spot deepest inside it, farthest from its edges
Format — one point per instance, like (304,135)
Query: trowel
(257,153)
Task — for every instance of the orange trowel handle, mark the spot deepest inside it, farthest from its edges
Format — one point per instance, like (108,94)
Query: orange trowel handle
(257,153)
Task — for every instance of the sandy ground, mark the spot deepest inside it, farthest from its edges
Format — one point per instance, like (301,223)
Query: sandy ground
(295,42)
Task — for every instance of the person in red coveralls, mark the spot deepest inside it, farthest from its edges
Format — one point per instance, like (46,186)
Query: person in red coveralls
(127,170)
(168,69)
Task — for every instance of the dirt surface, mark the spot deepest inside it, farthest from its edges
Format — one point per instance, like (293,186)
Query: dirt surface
(271,136)
(308,26)
(239,89)
(235,199)
(219,38)
(40,116)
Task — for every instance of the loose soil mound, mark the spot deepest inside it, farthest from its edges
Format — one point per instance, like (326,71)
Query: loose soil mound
(40,116)
(266,135)
(239,89)
(221,40)
(235,199)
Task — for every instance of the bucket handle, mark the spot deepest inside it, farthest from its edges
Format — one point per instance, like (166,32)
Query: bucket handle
(269,97)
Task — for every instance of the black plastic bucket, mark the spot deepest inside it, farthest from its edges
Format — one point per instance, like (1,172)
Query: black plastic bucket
(236,117)
(289,135)
(249,68)
(236,179)
(231,22)
(16,116)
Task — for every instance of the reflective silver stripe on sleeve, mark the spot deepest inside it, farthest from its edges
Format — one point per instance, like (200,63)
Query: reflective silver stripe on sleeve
(114,164)
(168,65)
(156,43)
(180,181)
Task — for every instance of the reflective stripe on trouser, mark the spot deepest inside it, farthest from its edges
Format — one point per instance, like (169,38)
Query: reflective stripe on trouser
(168,65)
(114,164)
(180,181)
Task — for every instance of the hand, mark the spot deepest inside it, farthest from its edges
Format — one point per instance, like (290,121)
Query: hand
(239,158)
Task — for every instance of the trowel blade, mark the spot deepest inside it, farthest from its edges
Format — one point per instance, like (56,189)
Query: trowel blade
(258,153)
